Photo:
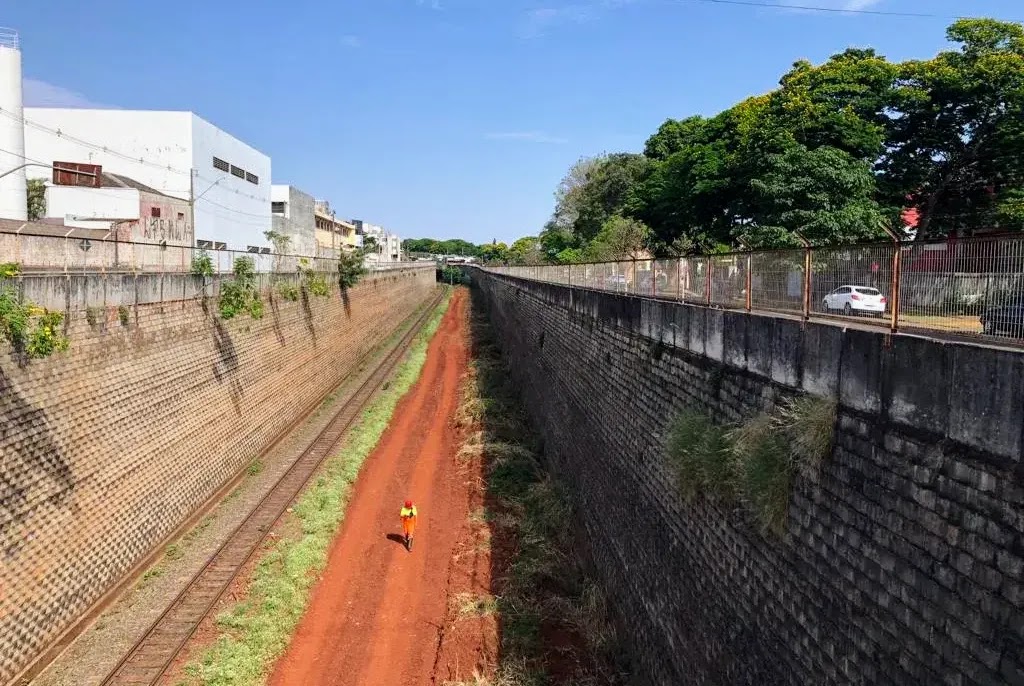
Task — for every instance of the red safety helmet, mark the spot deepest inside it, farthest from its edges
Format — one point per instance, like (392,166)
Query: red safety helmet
(408,503)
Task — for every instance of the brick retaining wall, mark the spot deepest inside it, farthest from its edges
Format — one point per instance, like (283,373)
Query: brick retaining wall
(902,564)
(109,447)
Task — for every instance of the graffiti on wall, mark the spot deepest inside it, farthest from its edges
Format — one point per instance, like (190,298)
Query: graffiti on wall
(163,219)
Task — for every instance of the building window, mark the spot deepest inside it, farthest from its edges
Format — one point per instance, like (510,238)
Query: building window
(154,212)
(277,208)
(252,178)
(181,215)
(218,163)
(204,245)
(237,171)
(220,245)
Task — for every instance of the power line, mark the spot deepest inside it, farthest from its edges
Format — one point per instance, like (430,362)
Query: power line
(833,10)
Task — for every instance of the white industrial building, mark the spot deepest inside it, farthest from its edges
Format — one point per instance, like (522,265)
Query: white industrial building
(174,153)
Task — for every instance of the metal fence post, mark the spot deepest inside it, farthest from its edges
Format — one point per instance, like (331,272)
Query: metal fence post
(711,266)
(894,294)
(679,278)
(806,286)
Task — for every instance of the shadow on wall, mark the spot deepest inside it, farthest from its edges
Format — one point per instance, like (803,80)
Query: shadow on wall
(308,315)
(226,366)
(275,312)
(346,302)
(37,464)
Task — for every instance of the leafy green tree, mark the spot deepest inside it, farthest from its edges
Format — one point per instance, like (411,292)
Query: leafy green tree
(610,189)
(36,199)
(620,238)
(955,144)
(825,193)
(494,252)
(525,250)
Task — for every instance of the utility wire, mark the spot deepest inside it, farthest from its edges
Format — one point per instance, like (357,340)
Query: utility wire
(834,10)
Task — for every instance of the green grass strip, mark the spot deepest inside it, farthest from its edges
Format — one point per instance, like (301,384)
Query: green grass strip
(256,631)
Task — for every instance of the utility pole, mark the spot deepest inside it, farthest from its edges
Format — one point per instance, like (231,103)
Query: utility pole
(191,203)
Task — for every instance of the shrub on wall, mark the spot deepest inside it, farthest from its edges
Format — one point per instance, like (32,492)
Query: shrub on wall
(756,462)
(313,281)
(202,264)
(241,294)
(288,291)
(350,269)
(32,331)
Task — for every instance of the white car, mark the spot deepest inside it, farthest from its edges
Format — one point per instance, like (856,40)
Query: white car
(855,300)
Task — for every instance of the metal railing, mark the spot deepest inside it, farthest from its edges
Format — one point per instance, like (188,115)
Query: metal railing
(967,287)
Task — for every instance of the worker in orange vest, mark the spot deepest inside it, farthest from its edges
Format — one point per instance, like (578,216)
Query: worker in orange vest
(408,523)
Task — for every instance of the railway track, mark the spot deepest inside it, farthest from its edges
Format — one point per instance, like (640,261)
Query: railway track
(149,658)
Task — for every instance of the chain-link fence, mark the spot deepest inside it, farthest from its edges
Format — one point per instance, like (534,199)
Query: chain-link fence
(968,287)
(83,252)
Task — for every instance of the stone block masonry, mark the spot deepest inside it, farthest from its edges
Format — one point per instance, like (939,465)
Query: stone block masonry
(106,449)
(901,563)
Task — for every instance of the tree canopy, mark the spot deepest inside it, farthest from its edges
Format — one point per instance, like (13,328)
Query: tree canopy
(835,154)
(837,151)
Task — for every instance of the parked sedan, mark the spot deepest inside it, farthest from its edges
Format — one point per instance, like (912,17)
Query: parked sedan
(855,300)
(1004,320)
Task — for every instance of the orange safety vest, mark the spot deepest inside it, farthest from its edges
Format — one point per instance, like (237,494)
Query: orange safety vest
(409,520)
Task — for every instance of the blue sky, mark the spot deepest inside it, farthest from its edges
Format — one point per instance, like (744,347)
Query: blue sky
(444,118)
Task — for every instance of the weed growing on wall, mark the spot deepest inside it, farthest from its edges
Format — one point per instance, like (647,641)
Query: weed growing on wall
(32,331)
(255,632)
(123,315)
(756,462)
(350,269)
(313,282)
(46,337)
(202,264)
(700,455)
(92,315)
(287,291)
(763,469)
(241,295)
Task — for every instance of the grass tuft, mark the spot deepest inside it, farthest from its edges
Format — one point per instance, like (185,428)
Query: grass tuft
(469,605)
(256,631)
(755,462)
(764,471)
(699,452)
(809,423)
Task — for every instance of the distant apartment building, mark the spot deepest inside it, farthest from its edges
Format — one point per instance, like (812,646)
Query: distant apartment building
(292,215)
(177,154)
(333,235)
(388,245)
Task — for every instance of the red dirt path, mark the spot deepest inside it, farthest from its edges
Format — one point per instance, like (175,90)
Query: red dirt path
(376,617)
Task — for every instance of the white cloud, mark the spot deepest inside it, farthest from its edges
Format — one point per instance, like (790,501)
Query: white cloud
(860,4)
(537,22)
(526,137)
(42,94)
(351,41)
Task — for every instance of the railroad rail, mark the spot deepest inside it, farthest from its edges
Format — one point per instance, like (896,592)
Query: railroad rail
(152,654)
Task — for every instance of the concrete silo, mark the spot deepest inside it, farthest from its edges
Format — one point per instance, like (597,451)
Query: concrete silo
(13,204)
